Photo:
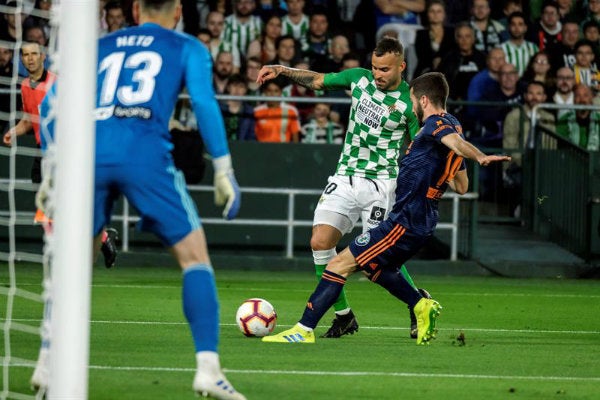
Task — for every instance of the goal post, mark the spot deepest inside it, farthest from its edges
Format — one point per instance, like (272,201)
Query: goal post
(75,140)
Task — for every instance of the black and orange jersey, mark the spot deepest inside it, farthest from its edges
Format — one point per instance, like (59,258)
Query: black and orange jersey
(424,174)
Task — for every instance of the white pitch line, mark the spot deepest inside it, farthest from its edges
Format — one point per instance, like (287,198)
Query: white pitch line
(382,328)
(359,373)
(311,287)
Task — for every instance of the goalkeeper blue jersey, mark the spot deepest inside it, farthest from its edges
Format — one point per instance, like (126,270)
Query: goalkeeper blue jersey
(141,71)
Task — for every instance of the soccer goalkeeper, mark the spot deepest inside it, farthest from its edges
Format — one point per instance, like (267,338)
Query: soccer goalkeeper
(141,71)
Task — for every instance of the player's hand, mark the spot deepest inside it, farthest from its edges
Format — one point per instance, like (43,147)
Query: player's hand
(227,190)
(267,73)
(7,138)
(487,160)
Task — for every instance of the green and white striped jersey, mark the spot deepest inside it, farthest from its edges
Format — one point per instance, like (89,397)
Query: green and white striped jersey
(519,56)
(298,31)
(378,122)
(240,35)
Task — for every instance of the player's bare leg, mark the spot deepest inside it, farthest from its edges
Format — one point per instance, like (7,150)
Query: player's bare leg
(323,242)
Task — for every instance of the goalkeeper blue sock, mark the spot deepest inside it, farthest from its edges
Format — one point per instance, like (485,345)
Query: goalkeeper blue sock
(395,283)
(201,306)
(326,293)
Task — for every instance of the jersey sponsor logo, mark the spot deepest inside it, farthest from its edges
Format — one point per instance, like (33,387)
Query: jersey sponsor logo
(369,113)
(377,214)
(363,240)
(104,113)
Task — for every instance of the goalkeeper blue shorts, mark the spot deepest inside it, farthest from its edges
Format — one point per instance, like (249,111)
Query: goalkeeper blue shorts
(387,245)
(158,194)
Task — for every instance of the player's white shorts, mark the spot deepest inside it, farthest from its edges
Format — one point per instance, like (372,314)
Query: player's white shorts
(346,198)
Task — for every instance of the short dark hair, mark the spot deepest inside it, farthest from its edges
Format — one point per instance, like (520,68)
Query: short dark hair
(389,45)
(537,83)
(583,42)
(550,3)
(516,14)
(590,23)
(433,85)
(285,37)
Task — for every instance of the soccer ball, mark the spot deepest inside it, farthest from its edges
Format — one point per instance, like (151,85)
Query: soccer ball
(256,317)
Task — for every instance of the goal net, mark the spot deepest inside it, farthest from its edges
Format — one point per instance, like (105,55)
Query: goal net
(45,279)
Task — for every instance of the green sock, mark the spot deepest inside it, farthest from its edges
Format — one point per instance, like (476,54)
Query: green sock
(404,272)
(341,302)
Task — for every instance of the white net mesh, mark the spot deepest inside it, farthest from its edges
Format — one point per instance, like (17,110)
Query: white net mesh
(24,261)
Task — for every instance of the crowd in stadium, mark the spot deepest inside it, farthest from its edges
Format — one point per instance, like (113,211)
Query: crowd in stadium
(519,53)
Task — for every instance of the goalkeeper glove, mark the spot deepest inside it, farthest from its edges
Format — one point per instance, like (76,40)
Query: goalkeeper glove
(227,191)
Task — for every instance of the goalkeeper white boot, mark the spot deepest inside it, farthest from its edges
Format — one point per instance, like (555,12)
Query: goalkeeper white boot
(210,380)
(41,375)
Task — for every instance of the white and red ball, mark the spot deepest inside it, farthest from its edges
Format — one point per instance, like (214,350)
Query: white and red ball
(256,317)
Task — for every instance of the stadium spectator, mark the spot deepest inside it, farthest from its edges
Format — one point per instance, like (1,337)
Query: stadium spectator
(295,22)
(43,21)
(242,27)
(317,41)
(486,80)
(403,17)
(320,128)
(517,123)
(338,48)
(215,23)
(238,115)
(253,65)
(264,47)
(581,127)
(509,7)
(435,40)
(33,90)
(567,10)
(457,12)
(539,70)
(225,7)
(204,36)
(285,47)
(565,81)
(460,65)
(266,8)
(563,54)
(35,34)
(593,11)
(547,31)
(8,29)
(586,71)
(114,17)
(518,51)
(276,121)
(591,32)
(222,69)
(491,118)
(489,33)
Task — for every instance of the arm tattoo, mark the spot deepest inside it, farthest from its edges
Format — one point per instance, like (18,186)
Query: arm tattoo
(301,77)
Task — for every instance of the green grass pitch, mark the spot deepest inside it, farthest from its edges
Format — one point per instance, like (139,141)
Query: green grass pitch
(523,339)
